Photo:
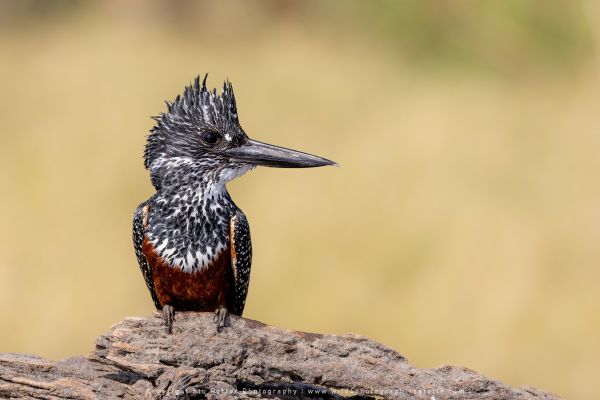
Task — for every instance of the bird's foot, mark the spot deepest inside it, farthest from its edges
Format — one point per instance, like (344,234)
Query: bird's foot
(168,314)
(221,318)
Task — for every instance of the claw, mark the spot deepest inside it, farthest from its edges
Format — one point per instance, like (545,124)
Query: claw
(221,318)
(168,314)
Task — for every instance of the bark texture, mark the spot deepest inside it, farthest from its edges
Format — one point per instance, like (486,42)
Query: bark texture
(138,360)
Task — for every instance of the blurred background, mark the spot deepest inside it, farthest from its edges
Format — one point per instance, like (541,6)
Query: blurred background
(463,226)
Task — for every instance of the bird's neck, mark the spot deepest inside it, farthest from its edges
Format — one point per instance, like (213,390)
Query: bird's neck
(177,176)
(194,195)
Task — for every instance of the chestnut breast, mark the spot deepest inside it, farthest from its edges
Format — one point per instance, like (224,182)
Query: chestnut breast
(202,290)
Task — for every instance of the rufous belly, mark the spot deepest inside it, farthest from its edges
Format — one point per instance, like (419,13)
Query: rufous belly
(203,290)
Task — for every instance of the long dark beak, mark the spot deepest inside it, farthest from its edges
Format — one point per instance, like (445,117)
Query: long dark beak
(258,153)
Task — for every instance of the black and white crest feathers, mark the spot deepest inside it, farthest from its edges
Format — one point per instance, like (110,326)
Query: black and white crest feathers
(196,109)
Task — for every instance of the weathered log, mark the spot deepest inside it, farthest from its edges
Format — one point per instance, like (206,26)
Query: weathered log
(138,360)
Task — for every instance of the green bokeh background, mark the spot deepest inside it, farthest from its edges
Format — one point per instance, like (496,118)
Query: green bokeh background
(463,226)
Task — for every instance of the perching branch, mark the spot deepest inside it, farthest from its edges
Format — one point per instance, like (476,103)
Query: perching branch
(138,360)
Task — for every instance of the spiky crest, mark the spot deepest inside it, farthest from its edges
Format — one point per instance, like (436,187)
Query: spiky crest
(196,108)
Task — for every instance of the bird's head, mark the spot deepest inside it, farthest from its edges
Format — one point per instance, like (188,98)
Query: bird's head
(200,134)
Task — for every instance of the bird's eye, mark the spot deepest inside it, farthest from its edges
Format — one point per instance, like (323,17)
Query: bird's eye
(210,137)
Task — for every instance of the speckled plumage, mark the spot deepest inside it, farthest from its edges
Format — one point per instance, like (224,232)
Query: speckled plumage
(191,240)
(190,220)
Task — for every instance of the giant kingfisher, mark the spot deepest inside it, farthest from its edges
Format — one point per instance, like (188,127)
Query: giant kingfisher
(192,242)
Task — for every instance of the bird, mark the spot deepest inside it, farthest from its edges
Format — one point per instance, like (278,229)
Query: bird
(191,240)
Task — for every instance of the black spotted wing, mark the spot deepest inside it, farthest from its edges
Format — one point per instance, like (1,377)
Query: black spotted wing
(241,260)
(140,218)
